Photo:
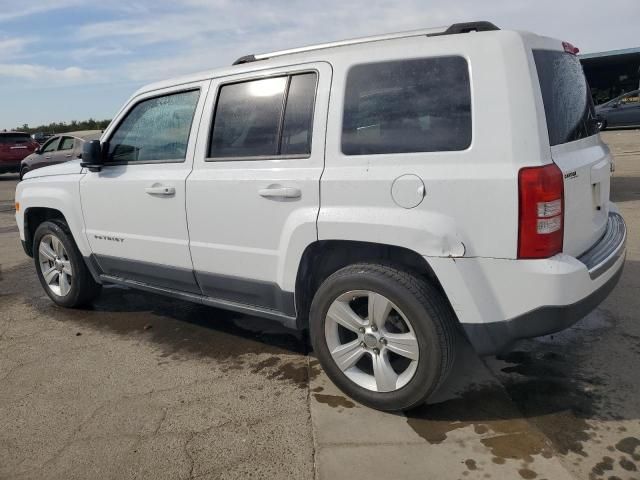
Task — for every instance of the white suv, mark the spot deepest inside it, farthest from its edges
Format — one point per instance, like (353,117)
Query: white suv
(377,192)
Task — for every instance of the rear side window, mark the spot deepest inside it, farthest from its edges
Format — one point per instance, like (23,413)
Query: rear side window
(264,118)
(13,138)
(567,100)
(156,129)
(418,105)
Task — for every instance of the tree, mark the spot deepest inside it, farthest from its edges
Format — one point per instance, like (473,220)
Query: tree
(62,127)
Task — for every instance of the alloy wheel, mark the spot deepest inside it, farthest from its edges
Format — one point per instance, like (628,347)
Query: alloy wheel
(371,341)
(55,265)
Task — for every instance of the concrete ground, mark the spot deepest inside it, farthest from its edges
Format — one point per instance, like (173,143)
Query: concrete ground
(146,387)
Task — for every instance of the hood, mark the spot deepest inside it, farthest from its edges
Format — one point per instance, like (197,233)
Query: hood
(67,168)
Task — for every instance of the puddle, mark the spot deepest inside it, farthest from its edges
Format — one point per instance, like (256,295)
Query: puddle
(538,409)
(179,330)
(334,401)
(628,445)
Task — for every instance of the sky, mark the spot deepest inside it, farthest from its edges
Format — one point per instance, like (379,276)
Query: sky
(62,60)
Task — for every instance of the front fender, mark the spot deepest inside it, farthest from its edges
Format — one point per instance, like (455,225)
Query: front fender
(59,193)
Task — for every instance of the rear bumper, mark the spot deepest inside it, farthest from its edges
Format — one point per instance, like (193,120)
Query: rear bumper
(599,258)
(500,301)
(495,337)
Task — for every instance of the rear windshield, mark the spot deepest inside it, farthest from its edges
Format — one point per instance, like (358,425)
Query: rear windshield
(566,96)
(13,138)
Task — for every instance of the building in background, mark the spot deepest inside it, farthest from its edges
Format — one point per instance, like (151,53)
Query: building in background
(610,74)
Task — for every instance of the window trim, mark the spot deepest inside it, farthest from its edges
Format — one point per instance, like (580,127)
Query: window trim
(285,98)
(128,112)
(430,152)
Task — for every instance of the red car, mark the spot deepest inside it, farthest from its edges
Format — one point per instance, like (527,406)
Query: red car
(14,146)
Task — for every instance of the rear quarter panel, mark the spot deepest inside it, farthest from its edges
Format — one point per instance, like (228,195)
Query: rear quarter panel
(471,203)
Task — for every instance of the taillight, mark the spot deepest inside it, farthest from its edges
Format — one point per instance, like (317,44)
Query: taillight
(541,211)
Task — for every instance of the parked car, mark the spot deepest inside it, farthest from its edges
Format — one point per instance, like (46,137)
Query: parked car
(372,192)
(14,146)
(41,137)
(58,149)
(623,111)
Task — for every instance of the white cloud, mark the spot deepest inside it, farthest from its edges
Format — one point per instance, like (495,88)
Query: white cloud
(98,52)
(46,75)
(14,47)
(200,34)
(10,10)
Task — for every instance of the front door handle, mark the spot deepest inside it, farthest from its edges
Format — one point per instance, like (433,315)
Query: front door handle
(280,192)
(162,190)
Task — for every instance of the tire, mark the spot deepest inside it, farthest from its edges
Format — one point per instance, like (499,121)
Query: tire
(23,172)
(78,287)
(416,309)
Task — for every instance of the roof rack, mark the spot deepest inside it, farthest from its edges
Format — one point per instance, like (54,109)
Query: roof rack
(456,28)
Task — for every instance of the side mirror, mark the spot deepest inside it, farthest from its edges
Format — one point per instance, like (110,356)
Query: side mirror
(92,156)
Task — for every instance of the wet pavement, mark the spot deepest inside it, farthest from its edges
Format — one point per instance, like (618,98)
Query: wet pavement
(148,387)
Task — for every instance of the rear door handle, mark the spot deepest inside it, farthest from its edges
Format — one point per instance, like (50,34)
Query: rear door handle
(280,192)
(161,190)
(68,155)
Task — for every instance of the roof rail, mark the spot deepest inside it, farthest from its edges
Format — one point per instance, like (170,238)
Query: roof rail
(430,32)
(466,28)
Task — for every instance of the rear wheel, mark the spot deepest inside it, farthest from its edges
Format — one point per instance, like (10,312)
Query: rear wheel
(60,266)
(383,335)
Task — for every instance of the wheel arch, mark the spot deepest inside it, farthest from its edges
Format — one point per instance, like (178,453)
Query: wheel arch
(51,197)
(33,218)
(324,257)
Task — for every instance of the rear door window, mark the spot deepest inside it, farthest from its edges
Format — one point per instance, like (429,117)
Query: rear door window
(247,118)
(566,96)
(66,143)
(298,116)
(417,105)
(268,117)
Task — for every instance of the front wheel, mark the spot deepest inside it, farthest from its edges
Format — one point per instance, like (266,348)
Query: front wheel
(383,335)
(60,266)
(23,172)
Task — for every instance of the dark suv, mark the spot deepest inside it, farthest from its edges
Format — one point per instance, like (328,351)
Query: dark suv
(58,149)
(14,146)
(623,111)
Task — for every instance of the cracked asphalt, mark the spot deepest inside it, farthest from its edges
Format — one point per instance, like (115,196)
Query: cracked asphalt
(142,386)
